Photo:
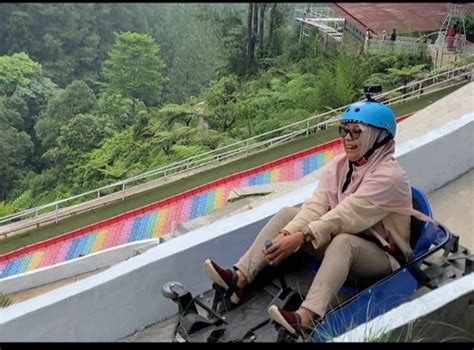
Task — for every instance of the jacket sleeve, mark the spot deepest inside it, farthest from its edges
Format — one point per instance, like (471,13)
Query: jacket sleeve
(352,215)
(312,209)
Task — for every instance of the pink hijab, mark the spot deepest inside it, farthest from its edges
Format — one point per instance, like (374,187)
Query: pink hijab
(381,180)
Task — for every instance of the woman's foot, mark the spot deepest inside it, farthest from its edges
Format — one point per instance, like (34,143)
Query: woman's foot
(300,322)
(228,279)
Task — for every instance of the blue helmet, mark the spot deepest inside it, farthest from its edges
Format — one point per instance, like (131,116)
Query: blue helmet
(371,113)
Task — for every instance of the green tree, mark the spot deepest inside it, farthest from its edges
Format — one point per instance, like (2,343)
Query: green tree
(188,46)
(209,139)
(184,152)
(469,23)
(221,98)
(119,109)
(31,100)
(83,133)
(406,74)
(133,69)
(301,91)
(76,99)
(166,139)
(26,92)
(277,14)
(71,40)
(340,81)
(229,30)
(15,147)
(173,113)
(109,156)
(16,70)
(350,73)
(10,116)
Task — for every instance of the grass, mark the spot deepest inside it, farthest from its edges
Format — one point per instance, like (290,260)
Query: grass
(441,325)
(142,199)
(419,331)
(5,301)
(422,330)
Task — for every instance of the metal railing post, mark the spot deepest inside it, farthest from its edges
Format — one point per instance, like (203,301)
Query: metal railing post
(307,129)
(173,229)
(56,214)
(187,168)
(247,149)
(123,191)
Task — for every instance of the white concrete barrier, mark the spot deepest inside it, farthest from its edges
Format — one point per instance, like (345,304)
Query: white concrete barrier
(410,312)
(127,297)
(73,267)
(440,155)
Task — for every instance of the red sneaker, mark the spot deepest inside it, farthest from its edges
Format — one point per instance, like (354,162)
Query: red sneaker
(291,321)
(225,278)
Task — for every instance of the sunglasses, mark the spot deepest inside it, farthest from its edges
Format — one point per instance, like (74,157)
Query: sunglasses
(355,133)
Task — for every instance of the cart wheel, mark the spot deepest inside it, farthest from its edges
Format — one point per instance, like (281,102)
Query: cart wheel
(169,290)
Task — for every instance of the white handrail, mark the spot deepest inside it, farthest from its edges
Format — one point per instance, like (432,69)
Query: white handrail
(227,152)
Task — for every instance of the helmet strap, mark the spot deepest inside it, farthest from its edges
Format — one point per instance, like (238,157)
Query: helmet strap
(348,177)
(366,156)
(363,160)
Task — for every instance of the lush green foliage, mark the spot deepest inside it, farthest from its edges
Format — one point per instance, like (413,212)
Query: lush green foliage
(470,28)
(94,93)
(15,148)
(133,69)
(16,71)
(65,104)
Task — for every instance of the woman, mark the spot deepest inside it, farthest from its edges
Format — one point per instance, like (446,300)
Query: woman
(450,36)
(357,221)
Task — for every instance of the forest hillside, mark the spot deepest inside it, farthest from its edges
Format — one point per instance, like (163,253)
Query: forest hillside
(92,93)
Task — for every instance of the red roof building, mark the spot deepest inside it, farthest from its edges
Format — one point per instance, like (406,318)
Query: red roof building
(404,17)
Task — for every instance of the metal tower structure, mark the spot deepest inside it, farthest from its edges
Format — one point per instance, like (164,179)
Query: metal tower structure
(452,34)
(321,18)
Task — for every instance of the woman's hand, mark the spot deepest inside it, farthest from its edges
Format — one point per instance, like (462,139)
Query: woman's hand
(283,246)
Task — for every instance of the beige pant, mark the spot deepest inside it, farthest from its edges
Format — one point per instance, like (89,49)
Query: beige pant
(346,253)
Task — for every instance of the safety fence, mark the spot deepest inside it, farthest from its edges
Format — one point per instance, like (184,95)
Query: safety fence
(52,212)
(161,218)
(382,43)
